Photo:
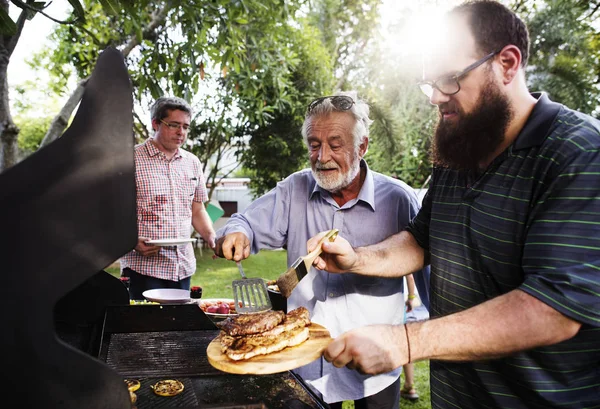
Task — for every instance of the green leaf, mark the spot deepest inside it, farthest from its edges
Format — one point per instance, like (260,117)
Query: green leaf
(78,9)
(7,26)
(109,6)
(241,20)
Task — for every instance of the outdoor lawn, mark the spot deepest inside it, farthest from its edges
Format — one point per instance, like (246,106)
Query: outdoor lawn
(215,277)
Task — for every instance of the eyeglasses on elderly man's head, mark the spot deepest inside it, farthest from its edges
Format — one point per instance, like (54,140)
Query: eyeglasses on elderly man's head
(450,85)
(339,102)
(176,125)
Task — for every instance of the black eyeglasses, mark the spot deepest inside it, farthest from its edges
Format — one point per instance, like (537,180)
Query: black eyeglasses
(450,85)
(339,102)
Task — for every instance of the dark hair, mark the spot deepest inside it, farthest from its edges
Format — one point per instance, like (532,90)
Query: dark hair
(495,26)
(161,107)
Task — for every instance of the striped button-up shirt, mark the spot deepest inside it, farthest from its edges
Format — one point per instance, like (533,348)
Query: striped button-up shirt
(296,210)
(165,192)
(531,222)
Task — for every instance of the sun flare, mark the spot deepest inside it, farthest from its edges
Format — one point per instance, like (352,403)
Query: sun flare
(410,31)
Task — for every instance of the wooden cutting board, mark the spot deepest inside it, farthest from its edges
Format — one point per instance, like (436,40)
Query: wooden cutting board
(284,360)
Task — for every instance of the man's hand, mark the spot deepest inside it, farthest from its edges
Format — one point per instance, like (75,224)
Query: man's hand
(146,249)
(234,246)
(210,241)
(409,304)
(372,350)
(337,256)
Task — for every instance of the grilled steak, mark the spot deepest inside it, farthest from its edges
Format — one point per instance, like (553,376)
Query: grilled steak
(248,347)
(292,331)
(246,324)
(300,317)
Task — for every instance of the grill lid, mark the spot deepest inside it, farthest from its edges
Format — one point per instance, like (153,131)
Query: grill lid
(68,211)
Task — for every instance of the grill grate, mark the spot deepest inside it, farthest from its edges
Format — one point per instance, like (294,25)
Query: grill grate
(146,397)
(164,354)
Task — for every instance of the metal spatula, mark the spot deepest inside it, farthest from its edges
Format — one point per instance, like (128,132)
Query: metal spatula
(250,294)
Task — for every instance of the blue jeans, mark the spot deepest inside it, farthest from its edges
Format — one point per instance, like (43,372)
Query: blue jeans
(138,283)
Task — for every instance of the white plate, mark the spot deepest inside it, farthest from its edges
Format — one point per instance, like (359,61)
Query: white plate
(170,242)
(167,295)
(213,314)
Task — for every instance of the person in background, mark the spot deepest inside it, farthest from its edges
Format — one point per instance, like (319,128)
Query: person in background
(170,200)
(339,191)
(510,226)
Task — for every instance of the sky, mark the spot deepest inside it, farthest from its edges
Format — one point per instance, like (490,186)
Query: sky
(33,38)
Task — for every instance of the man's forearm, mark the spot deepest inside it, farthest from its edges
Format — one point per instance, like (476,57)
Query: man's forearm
(499,327)
(396,256)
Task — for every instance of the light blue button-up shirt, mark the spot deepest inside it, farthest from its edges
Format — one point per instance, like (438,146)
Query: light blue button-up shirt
(296,210)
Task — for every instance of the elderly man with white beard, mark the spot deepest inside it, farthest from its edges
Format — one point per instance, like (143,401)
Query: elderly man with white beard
(341,192)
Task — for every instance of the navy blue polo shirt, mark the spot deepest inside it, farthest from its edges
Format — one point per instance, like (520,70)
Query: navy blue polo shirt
(531,221)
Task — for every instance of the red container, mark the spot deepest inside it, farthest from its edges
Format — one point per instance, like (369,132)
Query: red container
(196,292)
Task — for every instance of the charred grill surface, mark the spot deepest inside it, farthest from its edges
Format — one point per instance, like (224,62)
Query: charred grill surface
(171,354)
(156,342)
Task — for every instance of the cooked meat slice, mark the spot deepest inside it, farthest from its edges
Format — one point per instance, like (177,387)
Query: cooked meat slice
(298,318)
(300,313)
(248,347)
(246,324)
(225,340)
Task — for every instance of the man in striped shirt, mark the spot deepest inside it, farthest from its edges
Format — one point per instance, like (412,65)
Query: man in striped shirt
(170,200)
(511,227)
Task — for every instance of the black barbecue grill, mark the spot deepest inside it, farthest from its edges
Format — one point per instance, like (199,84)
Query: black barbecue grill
(153,342)
(69,335)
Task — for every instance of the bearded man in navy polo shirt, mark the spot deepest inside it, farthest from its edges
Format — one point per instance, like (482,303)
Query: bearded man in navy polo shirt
(511,227)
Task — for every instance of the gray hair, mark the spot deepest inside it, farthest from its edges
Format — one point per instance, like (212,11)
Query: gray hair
(161,107)
(360,111)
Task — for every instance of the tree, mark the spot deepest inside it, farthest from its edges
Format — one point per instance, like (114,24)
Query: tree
(10,32)
(564,61)
(565,51)
(403,119)
(32,131)
(252,62)
(334,35)
(276,149)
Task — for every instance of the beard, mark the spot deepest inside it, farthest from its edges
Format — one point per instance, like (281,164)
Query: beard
(336,181)
(463,144)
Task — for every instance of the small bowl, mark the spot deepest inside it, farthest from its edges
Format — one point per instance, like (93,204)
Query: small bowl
(278,301)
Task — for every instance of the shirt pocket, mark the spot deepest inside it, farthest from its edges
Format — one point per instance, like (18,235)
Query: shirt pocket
(185,189)
(186,186)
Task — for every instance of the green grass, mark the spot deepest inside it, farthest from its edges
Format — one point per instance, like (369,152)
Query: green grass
(215,277)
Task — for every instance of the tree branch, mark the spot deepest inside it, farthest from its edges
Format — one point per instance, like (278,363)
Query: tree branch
(88,32)
(518,5)
(12,40)
(28,7)
(589,16)
(349,67)
(142,129)
(61,120)
(157,18)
